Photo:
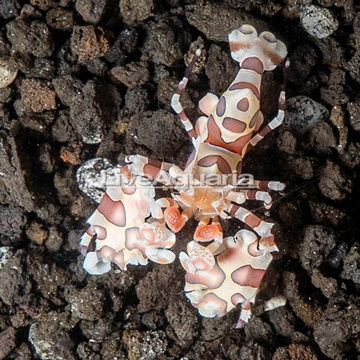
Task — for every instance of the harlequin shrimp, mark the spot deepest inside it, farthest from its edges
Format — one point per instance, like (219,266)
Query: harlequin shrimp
(131,226)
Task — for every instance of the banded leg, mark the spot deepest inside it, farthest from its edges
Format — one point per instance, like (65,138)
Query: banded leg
(245,314)
(260,196)
(90,234)
(277,121)
(152,169)
(243,195)
(262,228)
(175,100)
(146,160)
(266,185)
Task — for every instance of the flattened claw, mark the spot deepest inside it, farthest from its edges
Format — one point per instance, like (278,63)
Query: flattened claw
(207,103)
(136,164)
(186,263)
(200,124)
(94,266)
(160,256)
(267,244)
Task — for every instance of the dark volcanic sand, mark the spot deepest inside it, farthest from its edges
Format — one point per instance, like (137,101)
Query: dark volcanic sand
(97,69)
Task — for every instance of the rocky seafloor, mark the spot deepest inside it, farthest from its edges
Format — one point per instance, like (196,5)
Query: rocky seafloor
(93,78)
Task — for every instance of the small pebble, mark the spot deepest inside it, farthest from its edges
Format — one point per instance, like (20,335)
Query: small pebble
(132,75)
(6,252)
(145,345)
(135,11)
(354,111)
(7,342)
(89,42)
(337,117)
(92,11)
(294,351)
(303,113)
(92,135)
(5,95)
(317,21)
(36,233)
(37,95)
(352,265)
(60,19)
(8,73)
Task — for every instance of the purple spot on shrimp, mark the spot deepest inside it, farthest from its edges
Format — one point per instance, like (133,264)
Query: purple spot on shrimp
(234,125)
(248,276)
(243,104)
(253,63)
(221,107)
(113,211)
(257,117)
